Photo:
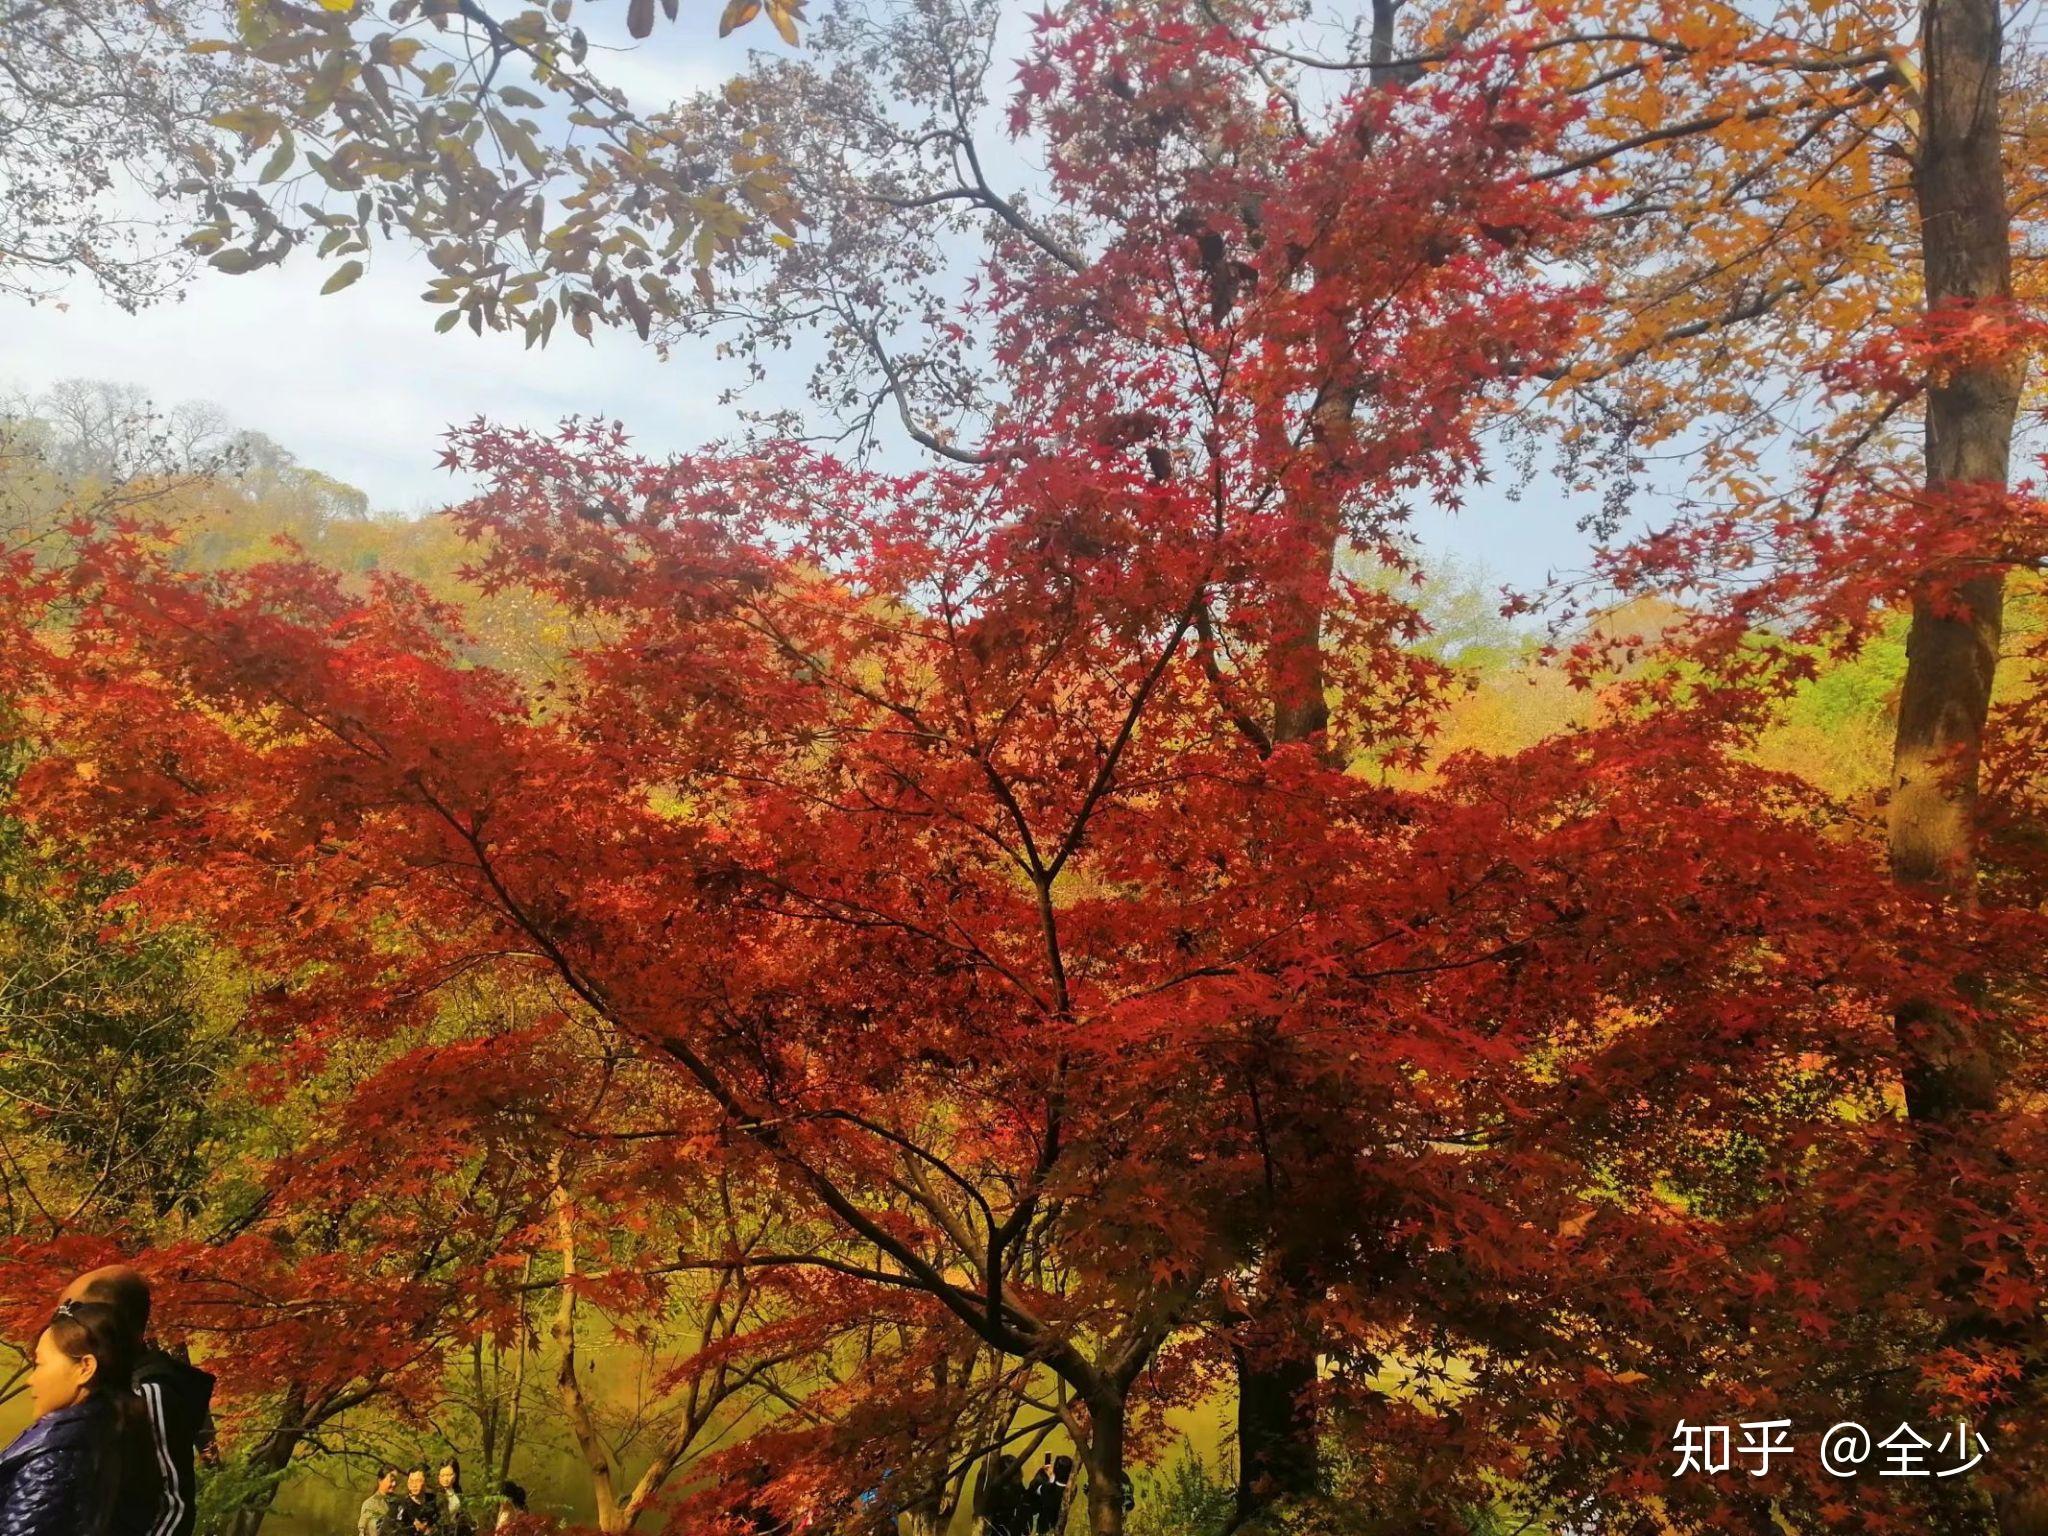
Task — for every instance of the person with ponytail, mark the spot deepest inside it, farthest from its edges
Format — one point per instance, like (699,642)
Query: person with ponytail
(83,1467)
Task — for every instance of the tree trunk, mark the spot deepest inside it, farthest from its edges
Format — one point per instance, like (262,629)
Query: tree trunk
(1277,1422)
(516,1404)
(268,1462)
(930,1511)
(681,1441)
(1104,1458)
(1950,1067)
(590,1445)
(1952,646)
(1294,660)
(1277,1456)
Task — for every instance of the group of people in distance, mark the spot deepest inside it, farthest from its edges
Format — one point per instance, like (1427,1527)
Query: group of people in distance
(411,1504)
(114,1444)
(119,1424)
(1013,1508)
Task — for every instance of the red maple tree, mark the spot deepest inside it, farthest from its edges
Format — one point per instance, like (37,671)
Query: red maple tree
(1023,870)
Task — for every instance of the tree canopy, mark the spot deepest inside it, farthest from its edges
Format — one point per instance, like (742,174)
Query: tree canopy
(984,946)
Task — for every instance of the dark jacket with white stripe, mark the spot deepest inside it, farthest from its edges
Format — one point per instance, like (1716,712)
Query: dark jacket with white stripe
(179,1398)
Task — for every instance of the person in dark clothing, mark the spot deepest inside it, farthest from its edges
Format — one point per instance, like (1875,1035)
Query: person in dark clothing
(1035,1492)
(511,1503)
(419,1512)
(177,1397)
(1005,1502)
(1049,1503)
(876,1508)
(83,1467)
(756,1514)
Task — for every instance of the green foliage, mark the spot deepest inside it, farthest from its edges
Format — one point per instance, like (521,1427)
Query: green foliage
(107,1053)
(1850,694)
(232,1489)
(1836,731)
(1184,1498)
(1462,602)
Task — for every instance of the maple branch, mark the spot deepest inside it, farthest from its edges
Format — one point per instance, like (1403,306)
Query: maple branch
(1691,126)
(987,195)
(904,1143)
(997,1327)
(843,909)
(1027,1204)
(1841,460)
(1670,47)
(699,1265)
(1707,123)
(898,390)
(1105,773)
(1205,632)
(1741,313)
